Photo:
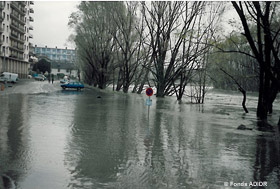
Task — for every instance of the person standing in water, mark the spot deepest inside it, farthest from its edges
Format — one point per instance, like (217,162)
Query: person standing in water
(52,78)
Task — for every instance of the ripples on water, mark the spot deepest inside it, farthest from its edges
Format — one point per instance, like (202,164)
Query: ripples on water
(72,139)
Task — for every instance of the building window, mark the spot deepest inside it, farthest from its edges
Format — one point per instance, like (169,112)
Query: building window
(8,6)
(4,14)
(3,38)
(7,28)
(7,39)
(8,17)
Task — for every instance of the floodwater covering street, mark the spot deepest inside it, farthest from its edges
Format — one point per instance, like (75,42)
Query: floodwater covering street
(72,139)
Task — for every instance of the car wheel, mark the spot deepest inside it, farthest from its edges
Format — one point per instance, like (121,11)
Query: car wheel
(64,88)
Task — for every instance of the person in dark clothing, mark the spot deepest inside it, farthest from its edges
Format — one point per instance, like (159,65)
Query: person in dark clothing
(52,78)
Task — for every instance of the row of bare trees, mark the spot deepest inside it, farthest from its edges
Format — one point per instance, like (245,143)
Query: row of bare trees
(136,43)
(168,45)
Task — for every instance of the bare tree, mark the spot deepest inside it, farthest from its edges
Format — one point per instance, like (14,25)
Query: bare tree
(129,39)
(94,29)
(164,21)
(265,48)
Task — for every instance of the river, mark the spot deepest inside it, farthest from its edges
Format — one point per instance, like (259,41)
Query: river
(70,139)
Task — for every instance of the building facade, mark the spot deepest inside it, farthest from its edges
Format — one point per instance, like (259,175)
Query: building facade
(63,61)
(56,54)
(16,19)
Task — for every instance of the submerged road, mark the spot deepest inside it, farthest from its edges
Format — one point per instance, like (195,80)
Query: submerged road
(30,86)
(57,139)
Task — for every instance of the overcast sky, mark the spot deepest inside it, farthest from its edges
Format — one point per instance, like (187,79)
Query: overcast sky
(50,23)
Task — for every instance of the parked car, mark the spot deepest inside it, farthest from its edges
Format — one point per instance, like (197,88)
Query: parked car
(9,77)
(40,77)
(73,85)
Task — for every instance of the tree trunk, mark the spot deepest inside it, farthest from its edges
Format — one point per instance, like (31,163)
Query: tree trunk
(125,87)
(160,89)
(240,89)
(120,81)
(244,100)
(136,83)
(146,75)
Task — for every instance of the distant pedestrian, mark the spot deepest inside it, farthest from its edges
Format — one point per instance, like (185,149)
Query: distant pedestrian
(52,78)
(49,78)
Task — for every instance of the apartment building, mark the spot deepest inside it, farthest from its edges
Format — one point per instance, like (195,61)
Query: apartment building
(56,54)
(62,60)
(15,31)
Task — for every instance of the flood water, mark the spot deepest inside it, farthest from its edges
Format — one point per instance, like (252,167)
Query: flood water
(70,139)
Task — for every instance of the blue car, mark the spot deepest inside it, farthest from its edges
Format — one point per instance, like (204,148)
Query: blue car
(73,84)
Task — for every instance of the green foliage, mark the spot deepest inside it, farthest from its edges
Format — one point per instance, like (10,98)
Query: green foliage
(42,66)
(60,75)
(242,67)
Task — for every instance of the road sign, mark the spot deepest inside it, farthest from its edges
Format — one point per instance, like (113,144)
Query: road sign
(148,102)
(149,92)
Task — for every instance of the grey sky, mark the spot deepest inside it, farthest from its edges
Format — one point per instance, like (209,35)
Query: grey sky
(50,23)
(51,19)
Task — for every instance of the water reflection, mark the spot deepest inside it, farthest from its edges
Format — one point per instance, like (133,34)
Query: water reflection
(267,165)
(71,139)
(99,140)
(114,145)
(14,136)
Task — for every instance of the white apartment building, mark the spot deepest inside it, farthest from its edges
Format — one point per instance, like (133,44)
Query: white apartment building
(15,27)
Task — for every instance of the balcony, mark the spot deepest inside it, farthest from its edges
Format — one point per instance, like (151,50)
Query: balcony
(15,26)
(16,55)
(30,27)
(22,2)
(15,5)
(31,10)
(16,48)
(16,17)
(20,40)
(31,19)
(2,5)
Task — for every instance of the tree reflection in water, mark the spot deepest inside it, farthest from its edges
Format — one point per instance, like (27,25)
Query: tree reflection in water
(267,164)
